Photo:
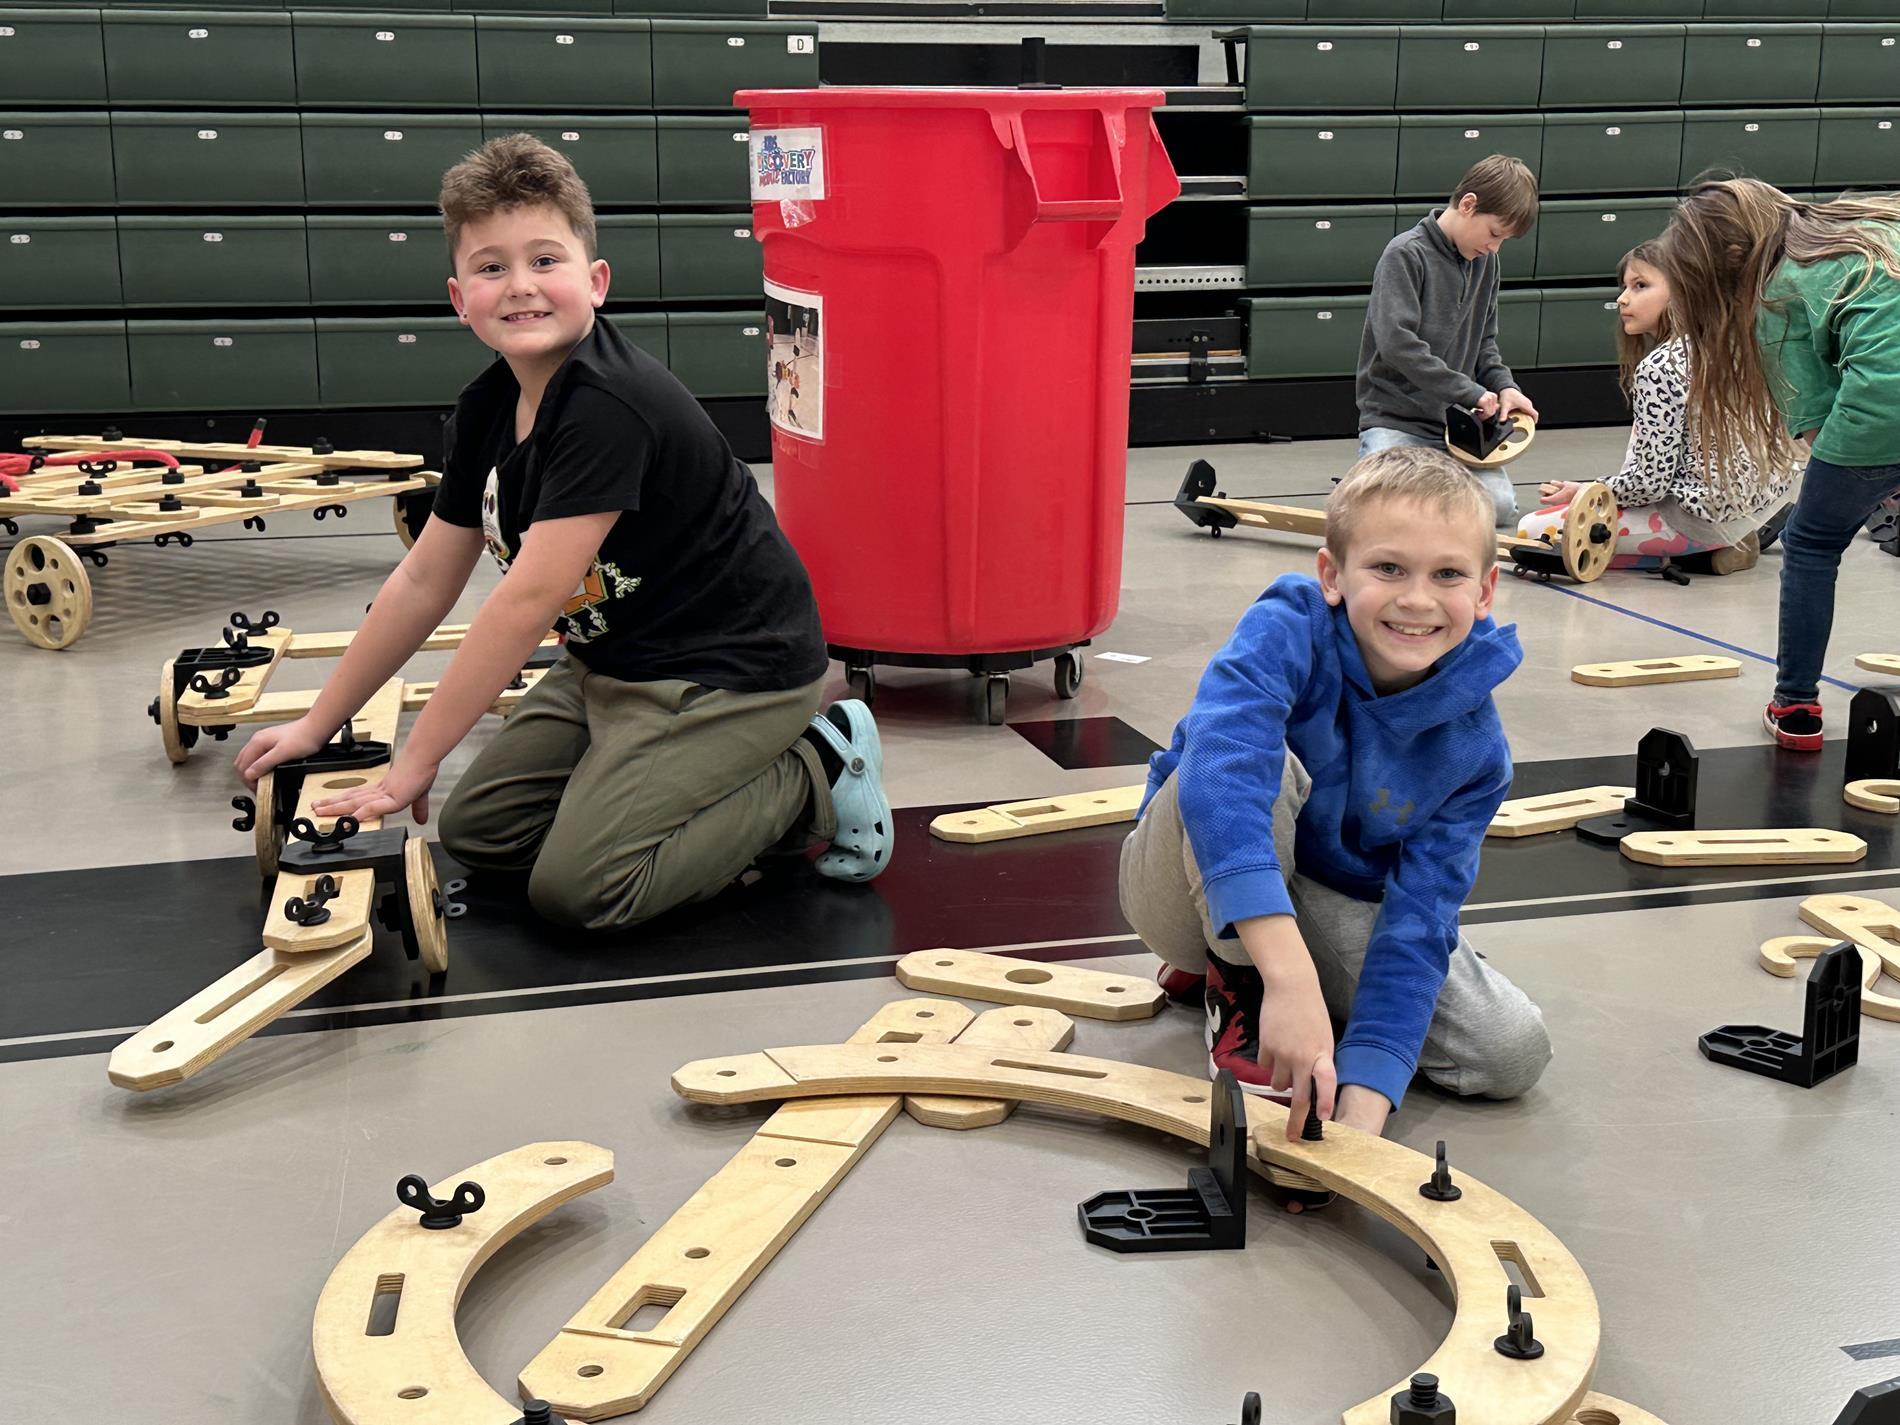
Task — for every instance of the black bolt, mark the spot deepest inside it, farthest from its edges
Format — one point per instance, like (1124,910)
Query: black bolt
(537,1412)
(1423,1404)
(1441,1188)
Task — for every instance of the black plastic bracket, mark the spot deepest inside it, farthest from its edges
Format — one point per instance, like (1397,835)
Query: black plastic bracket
(1873,1405)
(1873,735)
(1474,434)
(1830,1029)
(346,754)
(378,851)
(438,1214)
(1209,1214)
(1035,73)
(1199,345)
(1667,771)
(1199,482)
(1519,1341)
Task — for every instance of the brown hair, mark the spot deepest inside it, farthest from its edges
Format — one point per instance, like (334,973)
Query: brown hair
(1409,472)
(515,171)
(1503,186)
(1630,350)
(1722,246)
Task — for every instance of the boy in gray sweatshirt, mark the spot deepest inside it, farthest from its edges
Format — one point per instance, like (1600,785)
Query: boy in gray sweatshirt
(1431,336)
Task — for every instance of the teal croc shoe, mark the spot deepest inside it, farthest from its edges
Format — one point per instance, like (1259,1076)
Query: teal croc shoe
(861,849)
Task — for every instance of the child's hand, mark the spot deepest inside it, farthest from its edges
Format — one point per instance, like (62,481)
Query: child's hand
(1296,1046)
(273,745)
(1363,1108)
(1559,492)
(402,786)
(1512,400)
(1487,407)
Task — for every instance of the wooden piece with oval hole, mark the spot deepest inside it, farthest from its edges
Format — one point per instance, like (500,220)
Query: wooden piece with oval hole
(1870,923)
(1783,846)
(1014,1027)
(1003,979)
(1778,957)
(1556,811)
(1888,663)
(1069,812)
(1880,794)
(383,1336)
(1471,1239)
(1642,672)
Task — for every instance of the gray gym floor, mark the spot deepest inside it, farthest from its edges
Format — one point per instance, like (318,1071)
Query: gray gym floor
(1717,1213)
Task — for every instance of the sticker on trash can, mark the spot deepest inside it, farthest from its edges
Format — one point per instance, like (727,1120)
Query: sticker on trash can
(788,164)
(794,361)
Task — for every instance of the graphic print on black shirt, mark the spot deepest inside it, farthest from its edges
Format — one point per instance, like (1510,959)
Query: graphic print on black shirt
(694,580)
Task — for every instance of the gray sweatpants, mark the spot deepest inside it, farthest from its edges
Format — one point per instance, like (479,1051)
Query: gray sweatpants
(628,799)
(1486,1037)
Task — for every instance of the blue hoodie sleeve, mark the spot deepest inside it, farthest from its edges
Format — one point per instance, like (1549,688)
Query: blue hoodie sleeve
(1234,754)
(1413,937)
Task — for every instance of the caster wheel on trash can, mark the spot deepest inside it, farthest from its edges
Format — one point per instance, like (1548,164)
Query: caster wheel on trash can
(998,695)
(861,683)
(1068,674)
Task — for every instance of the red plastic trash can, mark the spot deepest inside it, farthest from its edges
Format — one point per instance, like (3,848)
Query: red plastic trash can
(949,283)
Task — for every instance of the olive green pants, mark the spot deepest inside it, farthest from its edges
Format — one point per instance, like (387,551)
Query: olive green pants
(627,799)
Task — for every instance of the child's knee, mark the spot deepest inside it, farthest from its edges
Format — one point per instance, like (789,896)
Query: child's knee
(1516,1059)
(461,834)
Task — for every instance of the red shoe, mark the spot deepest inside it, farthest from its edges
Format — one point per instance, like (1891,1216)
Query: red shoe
(1795,726)
(1181,986)
(1233,998)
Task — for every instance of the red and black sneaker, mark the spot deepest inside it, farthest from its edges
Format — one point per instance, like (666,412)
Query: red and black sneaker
(1181,986)
(1795,726)
(1234,993)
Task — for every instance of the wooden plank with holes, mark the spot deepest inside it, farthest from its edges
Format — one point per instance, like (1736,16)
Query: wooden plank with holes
(1880,794)
(1556,811)
(699,1262)
(375,721)
(1772,846)
(344,493)
(231,450)
(1888,663)
(1069,812)
(1642,672)
(1471,1239)
(1003,979)
(1778,957)
(198,709)
(349,912)
(1028,1028)
(414,1371)
(1870,923)
(226,1013)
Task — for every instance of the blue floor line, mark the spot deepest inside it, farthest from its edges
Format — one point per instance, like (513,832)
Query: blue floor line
(1688,632)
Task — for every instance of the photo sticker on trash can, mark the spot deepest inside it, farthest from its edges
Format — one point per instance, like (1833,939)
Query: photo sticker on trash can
(795,361)
(788,164)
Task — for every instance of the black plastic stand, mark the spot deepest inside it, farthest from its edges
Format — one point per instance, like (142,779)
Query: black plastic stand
(1873,1405)
(1830,1031)
(1209,1214)
(1873,735)
(1666,772)
(1196,484)
(1474,434)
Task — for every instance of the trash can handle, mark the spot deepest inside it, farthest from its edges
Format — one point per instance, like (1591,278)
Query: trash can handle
(1071,210)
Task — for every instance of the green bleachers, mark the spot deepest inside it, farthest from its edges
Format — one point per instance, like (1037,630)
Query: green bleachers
(182,58)
(59,262)
(52,57)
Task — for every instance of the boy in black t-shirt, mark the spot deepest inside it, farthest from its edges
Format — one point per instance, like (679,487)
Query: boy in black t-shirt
(677,739)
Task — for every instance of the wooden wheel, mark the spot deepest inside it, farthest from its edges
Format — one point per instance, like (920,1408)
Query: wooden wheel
(48,593)
(169,733)
(403,531)
(267,836)
(1523,431)
(1588,539)
(425,905)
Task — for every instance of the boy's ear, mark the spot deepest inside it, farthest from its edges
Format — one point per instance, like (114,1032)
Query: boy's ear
(1468,206)
(455,300)
(600,275)
(1329,577)
(1487,590)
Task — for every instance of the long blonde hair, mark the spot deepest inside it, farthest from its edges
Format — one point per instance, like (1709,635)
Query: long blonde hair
(1720,249)
(1630,350)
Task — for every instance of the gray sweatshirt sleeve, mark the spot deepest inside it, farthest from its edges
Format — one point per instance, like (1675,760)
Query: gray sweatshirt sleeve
(1394,317)
(1493,374)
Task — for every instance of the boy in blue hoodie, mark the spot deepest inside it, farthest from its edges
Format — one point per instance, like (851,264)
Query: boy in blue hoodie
(1310,834)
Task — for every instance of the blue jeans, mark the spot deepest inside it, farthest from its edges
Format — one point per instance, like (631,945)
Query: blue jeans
(1834,503)
(1496,483)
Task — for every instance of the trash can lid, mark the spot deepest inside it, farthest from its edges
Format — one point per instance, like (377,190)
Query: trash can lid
(1002,97)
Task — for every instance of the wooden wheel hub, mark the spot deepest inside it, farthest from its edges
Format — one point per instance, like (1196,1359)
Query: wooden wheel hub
(48,593)
(1589,532)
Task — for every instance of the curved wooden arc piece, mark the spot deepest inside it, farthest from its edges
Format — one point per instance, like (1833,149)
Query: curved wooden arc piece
(1508,449)
(1777,957)
(1600,1409)
(1470,1239)
(1871,924)
(416,1373)
(1873,794)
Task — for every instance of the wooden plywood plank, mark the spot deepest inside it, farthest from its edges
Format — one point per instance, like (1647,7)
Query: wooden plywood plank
(1873,794)
(1069,812)
(1014,1027)
(1556,811)
(1888,663)
(1642,672)
(343,494)
(198,710)
(1772,846)
(1600,1409)
(227,1012)
(1004,979)
(231,450)
(1470,1239)
(417,1373)
(349,912)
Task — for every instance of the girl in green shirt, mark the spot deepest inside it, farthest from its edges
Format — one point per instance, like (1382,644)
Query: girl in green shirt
(1791,315)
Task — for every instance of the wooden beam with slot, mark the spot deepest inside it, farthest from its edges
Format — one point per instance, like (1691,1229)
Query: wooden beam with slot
(1556,811)
(1642,672)
(1470,1239)
(1773,846)
(1069,812)
(1888,663)
(416,1372)
(1003,979)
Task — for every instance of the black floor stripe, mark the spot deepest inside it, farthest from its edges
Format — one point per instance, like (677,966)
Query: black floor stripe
(1874,1350)
(1080,743)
